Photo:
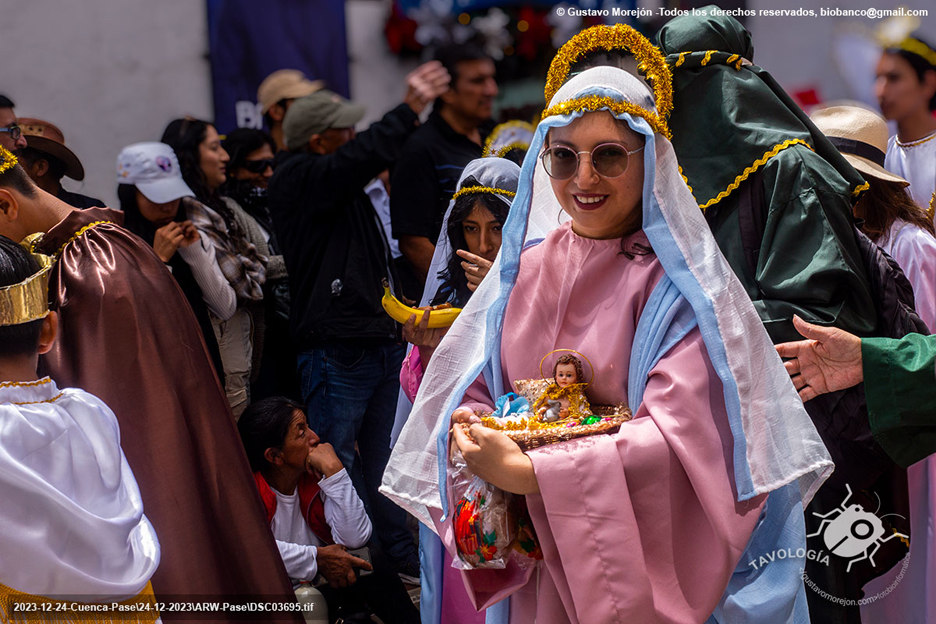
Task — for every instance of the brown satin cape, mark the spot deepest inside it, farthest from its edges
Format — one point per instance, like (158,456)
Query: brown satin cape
(127,335)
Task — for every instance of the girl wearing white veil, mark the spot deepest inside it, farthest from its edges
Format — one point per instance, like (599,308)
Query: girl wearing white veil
(487,184)
(668,519)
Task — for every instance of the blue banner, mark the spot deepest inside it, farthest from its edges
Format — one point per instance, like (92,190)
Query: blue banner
(250,40)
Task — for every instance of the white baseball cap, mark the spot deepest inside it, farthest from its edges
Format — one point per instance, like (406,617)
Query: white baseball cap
(154,169)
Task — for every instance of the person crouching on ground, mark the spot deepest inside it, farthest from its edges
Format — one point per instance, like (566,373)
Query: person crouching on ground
(315,513)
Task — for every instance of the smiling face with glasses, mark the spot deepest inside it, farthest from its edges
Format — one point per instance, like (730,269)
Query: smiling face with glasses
(596,171)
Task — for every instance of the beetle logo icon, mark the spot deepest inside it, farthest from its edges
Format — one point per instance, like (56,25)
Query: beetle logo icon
(850,532)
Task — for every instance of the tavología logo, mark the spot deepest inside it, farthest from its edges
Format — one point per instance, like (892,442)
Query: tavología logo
(852,532)
(848,532)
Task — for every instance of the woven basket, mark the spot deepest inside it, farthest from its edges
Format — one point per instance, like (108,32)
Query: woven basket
(613,416)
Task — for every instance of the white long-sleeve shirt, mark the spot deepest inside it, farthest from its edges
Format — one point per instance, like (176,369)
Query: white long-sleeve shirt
(344,513)
(217,292)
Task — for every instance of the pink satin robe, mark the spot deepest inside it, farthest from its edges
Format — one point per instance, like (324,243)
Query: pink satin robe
(639,526)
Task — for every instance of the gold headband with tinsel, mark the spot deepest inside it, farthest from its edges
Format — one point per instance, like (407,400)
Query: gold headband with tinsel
(592,103)
(28,300)
(651,63)
(7,160)
(469,190)
(915,46)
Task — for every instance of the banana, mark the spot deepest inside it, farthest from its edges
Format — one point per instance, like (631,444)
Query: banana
(401,313)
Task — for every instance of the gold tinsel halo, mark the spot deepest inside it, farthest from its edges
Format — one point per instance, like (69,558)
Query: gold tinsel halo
(470,190)
(650,60)
(509,129)
(7,160)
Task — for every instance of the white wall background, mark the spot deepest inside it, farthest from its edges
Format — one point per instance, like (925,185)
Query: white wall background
(113,72)
(107,72)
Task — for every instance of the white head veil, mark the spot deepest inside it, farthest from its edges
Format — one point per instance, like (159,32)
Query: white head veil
(775,442)
(493,173)
(497,174)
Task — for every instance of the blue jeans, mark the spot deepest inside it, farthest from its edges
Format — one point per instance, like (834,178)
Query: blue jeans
(351,394)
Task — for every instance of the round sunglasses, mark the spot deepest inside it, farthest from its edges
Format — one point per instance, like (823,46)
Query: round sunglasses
(609,160)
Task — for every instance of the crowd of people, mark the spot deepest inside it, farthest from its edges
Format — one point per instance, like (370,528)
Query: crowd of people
(201,393)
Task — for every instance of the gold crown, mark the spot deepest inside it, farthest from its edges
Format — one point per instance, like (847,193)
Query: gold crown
(28,300)
(7,160)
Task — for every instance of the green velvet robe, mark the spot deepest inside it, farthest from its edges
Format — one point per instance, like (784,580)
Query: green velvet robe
(900,386)
(808,262)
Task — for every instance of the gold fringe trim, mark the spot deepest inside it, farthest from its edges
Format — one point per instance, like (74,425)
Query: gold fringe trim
(932,207)
(79,234)
(592,103)
(52,400)
(735,58)
(685,179)
(510,146)
(651,62)
(708,57)
(916,143)
(861,188)
(141,609)
(470,190)
(754,167)
(25,384)
(7,160)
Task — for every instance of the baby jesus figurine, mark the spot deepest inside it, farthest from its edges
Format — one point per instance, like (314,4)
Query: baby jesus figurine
(565,395)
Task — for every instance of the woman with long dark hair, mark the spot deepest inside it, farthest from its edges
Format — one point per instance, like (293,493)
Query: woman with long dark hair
(155,201)
(204,168)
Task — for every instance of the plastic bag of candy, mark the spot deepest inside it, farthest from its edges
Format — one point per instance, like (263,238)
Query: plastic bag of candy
(485,524)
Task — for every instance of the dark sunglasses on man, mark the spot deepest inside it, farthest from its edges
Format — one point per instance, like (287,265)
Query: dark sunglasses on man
(259,165)
(15,131)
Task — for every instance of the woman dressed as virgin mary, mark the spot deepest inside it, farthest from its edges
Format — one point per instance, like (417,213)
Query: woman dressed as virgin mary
(670,518)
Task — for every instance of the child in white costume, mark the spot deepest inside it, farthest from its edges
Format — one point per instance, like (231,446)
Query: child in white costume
(71,512)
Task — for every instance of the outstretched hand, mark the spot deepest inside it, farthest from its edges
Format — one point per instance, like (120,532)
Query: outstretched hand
(426,83)
(829,360)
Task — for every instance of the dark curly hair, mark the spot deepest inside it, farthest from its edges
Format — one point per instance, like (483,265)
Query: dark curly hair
(568,358)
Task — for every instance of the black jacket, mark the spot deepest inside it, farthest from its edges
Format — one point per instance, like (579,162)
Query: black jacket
(335,250)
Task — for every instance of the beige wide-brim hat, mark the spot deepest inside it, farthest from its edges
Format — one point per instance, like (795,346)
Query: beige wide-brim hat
(861,136)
